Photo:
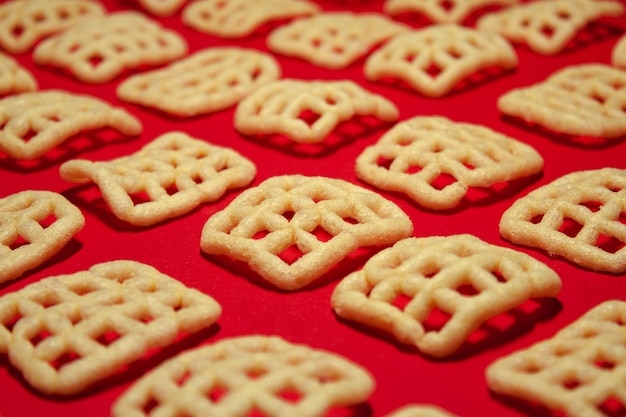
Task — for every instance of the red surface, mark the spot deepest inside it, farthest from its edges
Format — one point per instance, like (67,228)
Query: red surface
(249,307)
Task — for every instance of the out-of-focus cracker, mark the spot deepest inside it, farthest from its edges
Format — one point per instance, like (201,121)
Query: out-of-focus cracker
(547,26)
(278,108)
(469,280)
(450,11)
(436,59)
(240,18)
(618,55)
(209,80)
(67,332)
(333,39)
(253,374)
(579,216)
(420,410)
(14,78)
(34,226)
(322,219)
(161,7)
(166,178)
(33,123)
(96,50)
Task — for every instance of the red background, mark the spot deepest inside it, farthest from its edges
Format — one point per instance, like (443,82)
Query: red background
(250,307)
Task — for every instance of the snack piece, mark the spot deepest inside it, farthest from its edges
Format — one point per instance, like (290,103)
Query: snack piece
(438,11)
(166,178)
(547,26)
(34,226)
(417,154)
(23,23)
(334,39)
(436,59)
(65,333)
(292,229)
(459,278)
(420,410)
(579,216)
(97,50)
(161,7)
(14,78)
(209,80)
(286,107)
(34,123)
(240,18)
(245,376)
(578,100)
(618,56)
(579,371)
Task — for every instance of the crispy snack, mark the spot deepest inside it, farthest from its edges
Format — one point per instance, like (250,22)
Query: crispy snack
(547,26)
(282,107)
(579,216)
(462,276)
(333,39)
(209,80)
(420,410)
(99,49)
(166,178)
(451,11)
(618,56)
(436,59)
(34,226)
(65,333)
(240,18)
(416,153)
(247,375)
(161,7)
(14,78)
(23,23)
(579,100)
(579,371)
(34,123)
(322,219)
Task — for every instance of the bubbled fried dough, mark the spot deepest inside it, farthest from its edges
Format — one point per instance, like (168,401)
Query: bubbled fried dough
(323,219)
(452,11)
(99,49)
(239,18)
(252,374)
(67,332)
(24,23)
(167,178)
(579,216)
(14,78)
(34,226)
(414,154)
(333,39)
(276,108)
(468,279)
(35,122)
(209,80)
(577,372)
(434,60)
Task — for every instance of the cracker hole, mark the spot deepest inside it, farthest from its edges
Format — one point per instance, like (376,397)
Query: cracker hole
(140,198)
(291,255)
(95,60)
(172,190)
(309,117)
(47,221)
(547,31)
(17,31)
(609,244)
(536,219)
(384,162)
(613,407)
(28,136)
(350,220)
(414,169)
(443,181)
(467,290)
(499,277)
(604,364)
(256,372)
(401,301)
(40,337)
(322,234)
(621,218)
(18,242)
(571,384)
(108,337)
(182,380)
(64,360)
(446,5)
(288,215)
(436,320)
(570,227)
(290,395)
(260,234)
(217,393)
(11,321)
(150,406)
(592,206)
(433,70)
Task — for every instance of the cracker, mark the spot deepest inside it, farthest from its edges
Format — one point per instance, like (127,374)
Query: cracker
(240,18)
(333,39)
(165,179)
(579,371)
(465,278)
(437,11)
(618,54)
(14,78)
(161,8)
(579,216)
(322,219)
(578,100)
(34,226)
(99,49)
(211,79)
(248,375)
(434,60)
(24,23)
(420,410)
(548,26)
(416,154)
(67,332)
(283,107)
(34,123)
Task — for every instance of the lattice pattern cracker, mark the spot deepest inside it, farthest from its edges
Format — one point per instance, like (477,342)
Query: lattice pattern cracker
(14,78)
